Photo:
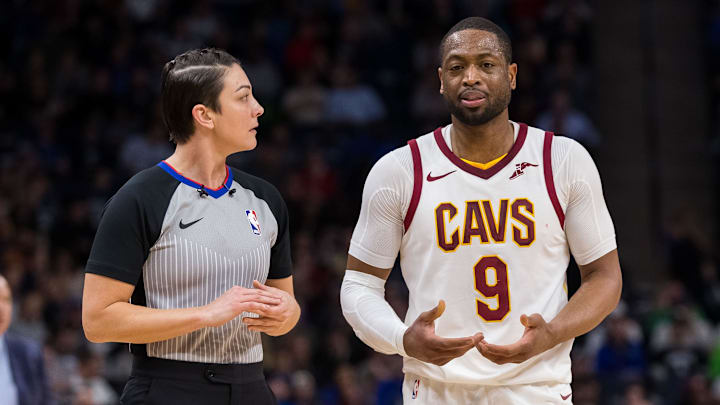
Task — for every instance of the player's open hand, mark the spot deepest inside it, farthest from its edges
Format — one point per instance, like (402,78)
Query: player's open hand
(537,338)
(277,319)
(421,342)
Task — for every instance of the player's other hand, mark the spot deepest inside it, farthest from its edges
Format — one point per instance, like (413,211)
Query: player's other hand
(537,338)
(236,301)
(277,319)
(421,342)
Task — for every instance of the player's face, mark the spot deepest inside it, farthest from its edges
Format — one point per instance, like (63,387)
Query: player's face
(236,123)
(5,305)
(475,79)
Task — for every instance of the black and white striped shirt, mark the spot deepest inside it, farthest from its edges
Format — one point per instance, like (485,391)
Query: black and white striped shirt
(183,249)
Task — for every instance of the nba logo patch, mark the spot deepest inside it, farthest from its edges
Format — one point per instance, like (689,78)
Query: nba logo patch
(254,223)
(416,388)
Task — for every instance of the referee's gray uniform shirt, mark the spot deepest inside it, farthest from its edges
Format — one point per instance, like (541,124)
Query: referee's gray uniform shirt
(183,248)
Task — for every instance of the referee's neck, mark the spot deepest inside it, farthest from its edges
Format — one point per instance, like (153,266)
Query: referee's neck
(199,161)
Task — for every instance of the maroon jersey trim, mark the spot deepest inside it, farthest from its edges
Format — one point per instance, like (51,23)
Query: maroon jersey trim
(482,173)
(417,182)
(549,182)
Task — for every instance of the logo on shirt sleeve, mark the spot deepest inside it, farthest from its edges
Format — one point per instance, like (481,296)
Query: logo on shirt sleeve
(253,220)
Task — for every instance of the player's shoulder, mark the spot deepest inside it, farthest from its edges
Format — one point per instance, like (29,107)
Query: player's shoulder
(401,157)
(562,147)
(566,149)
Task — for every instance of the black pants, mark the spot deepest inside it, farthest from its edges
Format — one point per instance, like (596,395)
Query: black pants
(158,381)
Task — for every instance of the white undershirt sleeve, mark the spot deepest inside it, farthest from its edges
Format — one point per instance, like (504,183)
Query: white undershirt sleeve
(376,241)
(362,297)
(386,197)
(588,226)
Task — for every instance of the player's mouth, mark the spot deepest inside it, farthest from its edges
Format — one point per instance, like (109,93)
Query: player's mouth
(472,98)
(254,130)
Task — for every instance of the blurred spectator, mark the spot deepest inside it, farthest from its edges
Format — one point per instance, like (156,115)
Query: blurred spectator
(263,74)
(680,348)
(563,118)
(304,103)
(30,323)
(141,151)
(635,394)
(428,107)
(89,387)
(621,359)
(22,368)
(352,102)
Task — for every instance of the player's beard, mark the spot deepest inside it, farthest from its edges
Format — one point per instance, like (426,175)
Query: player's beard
(479,116)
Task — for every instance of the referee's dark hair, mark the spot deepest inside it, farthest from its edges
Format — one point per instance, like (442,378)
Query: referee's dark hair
(482,24)
(194,77)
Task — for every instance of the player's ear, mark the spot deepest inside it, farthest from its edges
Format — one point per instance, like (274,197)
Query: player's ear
(442,89)
(512,75)
(203,116)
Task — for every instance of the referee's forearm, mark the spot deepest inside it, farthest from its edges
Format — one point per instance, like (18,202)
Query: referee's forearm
(127,323)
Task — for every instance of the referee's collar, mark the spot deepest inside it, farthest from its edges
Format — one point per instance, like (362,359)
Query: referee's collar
(213,192)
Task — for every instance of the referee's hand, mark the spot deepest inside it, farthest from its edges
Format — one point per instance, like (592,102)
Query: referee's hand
(421,342)
(274,320)
(237,300)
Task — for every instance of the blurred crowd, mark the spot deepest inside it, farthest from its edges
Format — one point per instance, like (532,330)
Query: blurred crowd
(342,83)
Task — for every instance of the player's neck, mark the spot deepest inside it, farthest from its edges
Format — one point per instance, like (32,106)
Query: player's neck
(482,143)
(199,162)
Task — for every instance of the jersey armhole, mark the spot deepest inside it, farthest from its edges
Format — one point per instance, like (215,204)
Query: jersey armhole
(417,183)
(549,182)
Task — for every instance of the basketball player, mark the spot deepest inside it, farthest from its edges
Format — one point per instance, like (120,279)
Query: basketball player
(484,213)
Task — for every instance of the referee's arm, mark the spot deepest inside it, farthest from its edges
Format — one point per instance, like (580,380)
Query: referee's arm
(128,228)
(277,319)
(108,316)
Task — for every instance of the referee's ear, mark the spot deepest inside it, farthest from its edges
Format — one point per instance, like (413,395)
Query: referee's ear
(203,116)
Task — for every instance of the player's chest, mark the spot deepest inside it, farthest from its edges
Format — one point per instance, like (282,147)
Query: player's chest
(510,208)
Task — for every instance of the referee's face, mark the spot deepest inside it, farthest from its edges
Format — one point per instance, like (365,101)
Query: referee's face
(236,123)
(5,305)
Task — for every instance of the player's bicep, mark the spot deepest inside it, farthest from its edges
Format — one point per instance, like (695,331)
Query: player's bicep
(588,225)
(353,263)
(607,265)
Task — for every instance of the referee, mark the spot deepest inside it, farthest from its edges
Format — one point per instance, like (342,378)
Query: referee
(191,260)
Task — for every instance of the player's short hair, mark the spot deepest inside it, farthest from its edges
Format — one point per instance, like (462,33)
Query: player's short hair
(194,77)
(482,24)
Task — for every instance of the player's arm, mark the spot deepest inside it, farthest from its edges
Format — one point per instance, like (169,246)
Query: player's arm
(108,316)
(375,322)
(281,318)
(596,298)
(373,249)
(591,237)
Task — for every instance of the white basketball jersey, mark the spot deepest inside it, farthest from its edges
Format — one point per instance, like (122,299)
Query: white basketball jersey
(491,244)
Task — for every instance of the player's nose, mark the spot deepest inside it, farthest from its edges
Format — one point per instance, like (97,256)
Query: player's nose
(472,76)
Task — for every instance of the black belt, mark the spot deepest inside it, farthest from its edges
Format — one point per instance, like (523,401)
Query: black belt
(184,370)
